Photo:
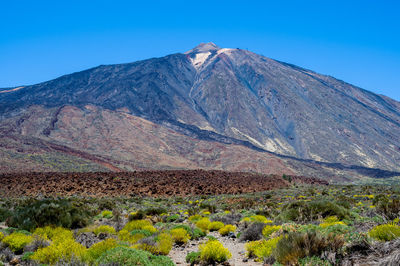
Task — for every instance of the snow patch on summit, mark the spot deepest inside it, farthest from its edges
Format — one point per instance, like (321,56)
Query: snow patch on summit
(199,59)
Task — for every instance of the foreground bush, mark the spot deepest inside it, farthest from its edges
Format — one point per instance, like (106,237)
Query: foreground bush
(203,224)
(130,256)
(63,250)
(385,232)
(213,251)
(180,236)
(35,213)
(295,246)
(17,241)
(269,229)
(227,229)
(261,249)
(96,250)
(159,245)
(137,225)
(106,229)
(215,226)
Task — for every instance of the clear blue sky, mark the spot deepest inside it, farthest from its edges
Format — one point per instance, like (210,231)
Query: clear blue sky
(356,41)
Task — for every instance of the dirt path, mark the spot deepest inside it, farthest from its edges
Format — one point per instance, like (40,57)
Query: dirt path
(178,254)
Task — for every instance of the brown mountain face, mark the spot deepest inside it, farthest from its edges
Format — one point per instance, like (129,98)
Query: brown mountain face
(209,108)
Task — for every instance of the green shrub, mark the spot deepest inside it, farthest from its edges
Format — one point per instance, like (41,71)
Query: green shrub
(96,250)
(193,258)
(35,213)
(172,218)
(161,261)
(17,241)
(302,211)
(385,232)
(125,256)
(213,251)
(313,261)
(4,214)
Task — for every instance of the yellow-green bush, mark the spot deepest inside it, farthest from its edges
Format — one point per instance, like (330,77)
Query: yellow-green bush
(106,214)
(96,250)
(136,225)
(195,218)
(269,229)
(1,236)
(330,221)
(126,236)
(227,229)
(162,245)
(203,224)
(150,228)
(59,250)
(54,234)
(260,219)
(261,249)
(104,229)
(215,226)
(385,232)
(180,235)
(213,251)
(17,241)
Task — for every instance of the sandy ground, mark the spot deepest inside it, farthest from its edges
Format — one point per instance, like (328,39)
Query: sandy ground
(178,254)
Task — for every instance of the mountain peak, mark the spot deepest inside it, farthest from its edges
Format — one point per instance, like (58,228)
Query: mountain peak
(203,48)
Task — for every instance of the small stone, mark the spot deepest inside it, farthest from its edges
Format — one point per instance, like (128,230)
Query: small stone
(14,261)
(245,260)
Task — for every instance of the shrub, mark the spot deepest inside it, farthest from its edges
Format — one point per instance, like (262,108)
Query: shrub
(143,232)
(60,250)
(193,258)
(195,218)
(227,229)
(253,232)
(386,207)
(150,229)
(161,261)
(106,214)
(203,224)
(172,218)
(301,211)
(269,229)
(107,229)
(385,232)
(4,214)
(164,243)
(17,241)
(35,213)
(136,225)
(56,234)
(331,221)
(180,236)
(295,246)
(124,256)
(213,251)
(96,250)
(1,236)
(215,226)
(261,249)
(132,237)
(313,261)
(259,219)
(136,215)
(155,211)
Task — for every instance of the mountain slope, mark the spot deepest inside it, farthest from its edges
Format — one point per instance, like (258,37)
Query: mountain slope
(212,95)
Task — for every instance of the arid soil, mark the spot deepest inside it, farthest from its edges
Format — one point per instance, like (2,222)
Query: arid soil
(143,183)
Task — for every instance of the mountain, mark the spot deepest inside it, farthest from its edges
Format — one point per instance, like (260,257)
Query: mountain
(212,108)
